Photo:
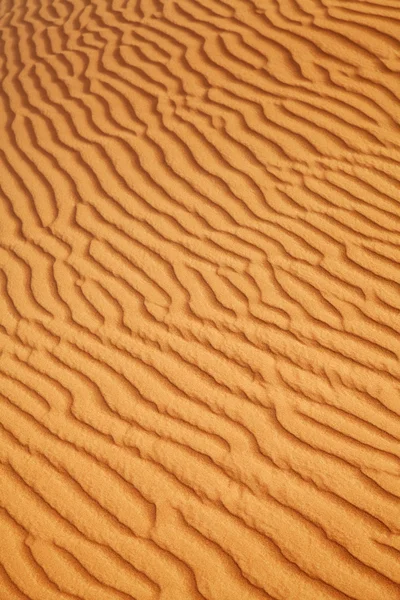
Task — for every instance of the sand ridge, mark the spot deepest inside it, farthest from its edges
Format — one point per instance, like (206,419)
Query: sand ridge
(199,300)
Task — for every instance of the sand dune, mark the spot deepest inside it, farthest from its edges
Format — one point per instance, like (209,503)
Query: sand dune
(199,305)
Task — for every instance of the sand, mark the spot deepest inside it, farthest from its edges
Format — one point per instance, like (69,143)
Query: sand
(199,300)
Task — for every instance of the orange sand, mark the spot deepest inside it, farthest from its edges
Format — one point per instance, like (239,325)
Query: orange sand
(200,294)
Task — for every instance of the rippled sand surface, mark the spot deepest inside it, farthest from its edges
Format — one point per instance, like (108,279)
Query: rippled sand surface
(199,299)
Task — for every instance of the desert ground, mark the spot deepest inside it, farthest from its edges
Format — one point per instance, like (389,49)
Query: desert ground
(199,299)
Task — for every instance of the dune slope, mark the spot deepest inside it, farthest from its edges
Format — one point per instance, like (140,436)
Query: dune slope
(199,299)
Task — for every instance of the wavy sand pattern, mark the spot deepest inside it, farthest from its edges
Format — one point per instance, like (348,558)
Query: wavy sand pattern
(199,320)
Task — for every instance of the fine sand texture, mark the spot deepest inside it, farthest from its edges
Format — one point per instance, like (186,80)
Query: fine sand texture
(199,299)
